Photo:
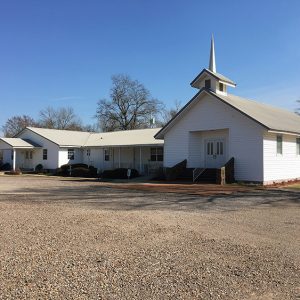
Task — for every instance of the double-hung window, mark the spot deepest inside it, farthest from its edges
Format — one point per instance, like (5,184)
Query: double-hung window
(279,145)
(45,154)
(298,146)
(106,155)
(71,154)
(157,154)
(88,152)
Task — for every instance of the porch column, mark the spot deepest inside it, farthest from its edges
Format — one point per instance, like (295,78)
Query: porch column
(14,159)
(119,157)
(140,160)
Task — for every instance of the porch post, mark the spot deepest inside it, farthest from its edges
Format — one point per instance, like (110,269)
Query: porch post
(119,157)
(14,160)
(140,160)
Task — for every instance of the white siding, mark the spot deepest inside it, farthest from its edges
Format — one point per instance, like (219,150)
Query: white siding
(52,160)
(63,156)
(280,167)
(96,158)
(245,137)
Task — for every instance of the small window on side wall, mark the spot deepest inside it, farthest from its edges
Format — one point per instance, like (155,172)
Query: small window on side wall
(88,152)
(279,144)
(298,146)
(71,154)
(45,154)
(106,155)
(157,154)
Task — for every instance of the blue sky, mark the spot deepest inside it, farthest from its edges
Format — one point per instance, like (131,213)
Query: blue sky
(63,53)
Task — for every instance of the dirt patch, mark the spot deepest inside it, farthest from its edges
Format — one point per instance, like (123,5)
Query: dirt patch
(79,239)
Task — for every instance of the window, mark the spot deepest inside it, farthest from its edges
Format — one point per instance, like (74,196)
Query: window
(88,152)
(220,148)
(208,84)
(45,154)
(210,148)
(12,154)
(279,144)
(221,87)
(71,154)
(157,154)
(298,146)
(30,154)
(106,155)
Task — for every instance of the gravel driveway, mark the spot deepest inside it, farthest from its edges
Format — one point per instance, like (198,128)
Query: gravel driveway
(79,239)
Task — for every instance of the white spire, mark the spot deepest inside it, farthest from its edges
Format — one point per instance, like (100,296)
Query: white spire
(212,58)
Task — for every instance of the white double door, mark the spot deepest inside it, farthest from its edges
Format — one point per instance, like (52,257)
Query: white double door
(215,153)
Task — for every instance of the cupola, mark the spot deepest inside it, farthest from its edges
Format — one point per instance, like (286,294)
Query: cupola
(210,79)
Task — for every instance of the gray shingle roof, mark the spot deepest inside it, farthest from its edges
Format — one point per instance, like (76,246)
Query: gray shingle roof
(268,116)
(138,137)
(271,117)
(20,143)
(69,138)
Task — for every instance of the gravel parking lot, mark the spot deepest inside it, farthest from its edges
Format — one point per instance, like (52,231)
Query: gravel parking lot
(82,239)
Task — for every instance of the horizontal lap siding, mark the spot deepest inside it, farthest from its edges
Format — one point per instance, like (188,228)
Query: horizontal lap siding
(280,167)
(52,157)
(95,159)
(245,139)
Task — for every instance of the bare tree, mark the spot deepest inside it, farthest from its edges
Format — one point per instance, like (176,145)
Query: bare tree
(16,123)
(130,106)
(170,113)
(61,118)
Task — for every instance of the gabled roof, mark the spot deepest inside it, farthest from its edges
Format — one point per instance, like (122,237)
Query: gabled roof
(138,137)
(62,138)
(268,116)
(68,138)
(20,143)
(215,75)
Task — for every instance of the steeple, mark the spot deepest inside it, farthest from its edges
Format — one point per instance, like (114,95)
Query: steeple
(209,79)
(212,58)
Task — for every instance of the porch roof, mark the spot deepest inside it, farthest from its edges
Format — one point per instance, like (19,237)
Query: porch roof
(138,137)
(17,143)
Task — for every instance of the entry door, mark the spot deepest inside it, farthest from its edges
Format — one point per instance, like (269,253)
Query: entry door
(215,153)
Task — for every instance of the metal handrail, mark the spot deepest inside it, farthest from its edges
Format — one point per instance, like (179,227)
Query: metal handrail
(197,172)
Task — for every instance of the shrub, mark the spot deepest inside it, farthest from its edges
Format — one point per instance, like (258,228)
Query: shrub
(120,173)
(93,171)
(173,172)
(74,166)
(78,170)
(6,167)
(81,172)
(39,168)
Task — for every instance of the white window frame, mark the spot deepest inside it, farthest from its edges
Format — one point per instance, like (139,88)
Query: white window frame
(107,154)
(71,153)
(45,154)
(88,152)
(298,146)
(279,153)
(156,154)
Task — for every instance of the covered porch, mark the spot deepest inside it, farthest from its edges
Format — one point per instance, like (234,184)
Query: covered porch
(146,159)
(18,153)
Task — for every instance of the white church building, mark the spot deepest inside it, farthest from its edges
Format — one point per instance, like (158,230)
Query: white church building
(215,126)
(210,130)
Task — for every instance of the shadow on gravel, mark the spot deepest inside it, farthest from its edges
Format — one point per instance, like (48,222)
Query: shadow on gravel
(111,198)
